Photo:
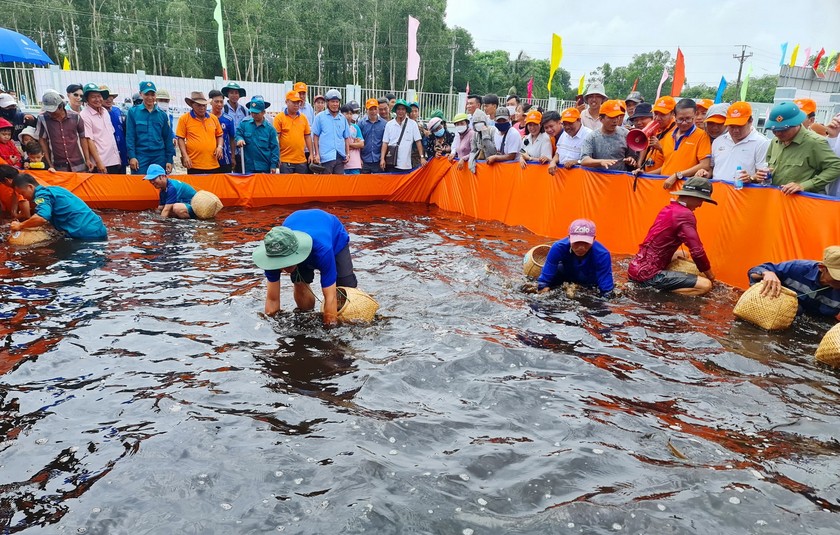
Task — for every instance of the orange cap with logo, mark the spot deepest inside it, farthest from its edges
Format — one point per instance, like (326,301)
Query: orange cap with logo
(739,113)
(371,103)
(533,117)
(704,103)
(294,96)
(808,105)
(611,108)
(300,87)
(665,104)
(570,115)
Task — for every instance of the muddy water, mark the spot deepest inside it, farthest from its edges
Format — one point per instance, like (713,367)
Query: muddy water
(143,392)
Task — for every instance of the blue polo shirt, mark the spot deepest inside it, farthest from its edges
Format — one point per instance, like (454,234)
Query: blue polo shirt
(261,150)
(118,122)
(307,110)
(372,134)
(148,137)
(236,116)
(68,213)
(331,132)
(228,131)
(329,237)
(592,269)
(803,276)
(175,192)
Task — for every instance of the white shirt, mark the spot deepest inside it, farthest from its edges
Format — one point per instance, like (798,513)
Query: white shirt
(536,148)
(568,147)
(593,123)
(833,189)
(750,153)
(392,135)
(513,142)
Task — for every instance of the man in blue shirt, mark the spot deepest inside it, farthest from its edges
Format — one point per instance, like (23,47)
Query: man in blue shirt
(308,240)
(578,259)
(217,103)
(257,140)
(373,128)
(148,134)
(59,207)
(175,196)
(331,136)
(817,284)
(118,122)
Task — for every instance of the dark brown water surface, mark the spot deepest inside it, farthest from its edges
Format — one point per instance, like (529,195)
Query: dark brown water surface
(143,392)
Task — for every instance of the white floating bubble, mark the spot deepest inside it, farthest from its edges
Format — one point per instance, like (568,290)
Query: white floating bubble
(41,441)
(465,477)
(734,501)
(226,506)
(660,507)
(298,481)
(616,526)
(393,452)
(597,451)
(467,531)
(481,501)
(570,525)
(96,510)
(278,473)
(761,522)
(392,440)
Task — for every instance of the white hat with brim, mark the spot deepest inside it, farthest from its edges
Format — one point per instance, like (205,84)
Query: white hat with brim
(281,248)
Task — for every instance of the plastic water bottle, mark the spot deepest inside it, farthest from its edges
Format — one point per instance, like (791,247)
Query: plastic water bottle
(739,184)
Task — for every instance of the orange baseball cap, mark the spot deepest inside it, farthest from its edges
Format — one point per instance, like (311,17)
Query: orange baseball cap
(570,115)
(665,104)
(704,103)
(739,113)
(807,105)
(294,96)
(611,108)
(300,87)
(534,117)
(371,103)
(623,105)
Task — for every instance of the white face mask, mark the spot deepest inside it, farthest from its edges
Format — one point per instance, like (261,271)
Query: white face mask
(164,106)
(461,129)
(355,117)
(511,110)
(479,127)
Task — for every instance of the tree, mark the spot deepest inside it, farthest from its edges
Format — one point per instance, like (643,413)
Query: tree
(647,68)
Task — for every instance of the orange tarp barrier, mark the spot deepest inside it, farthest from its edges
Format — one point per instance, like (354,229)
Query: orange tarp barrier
(748,227)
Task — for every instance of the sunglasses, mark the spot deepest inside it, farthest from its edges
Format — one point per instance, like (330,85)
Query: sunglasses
(79,95)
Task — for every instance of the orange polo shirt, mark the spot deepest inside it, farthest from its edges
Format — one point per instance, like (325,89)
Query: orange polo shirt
(685,152)
(290,134)
(655,158)
(200,137)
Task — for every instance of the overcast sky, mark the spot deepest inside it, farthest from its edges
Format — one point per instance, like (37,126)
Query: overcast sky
(709,33)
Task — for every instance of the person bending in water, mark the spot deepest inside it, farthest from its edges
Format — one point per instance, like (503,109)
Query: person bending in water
(674,225)
(308,240)
(817,284)
(58,206)
(10,202)
(578,258)
(175,196)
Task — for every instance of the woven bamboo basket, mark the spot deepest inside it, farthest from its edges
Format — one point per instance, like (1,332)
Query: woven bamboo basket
(205,205)
(535,260)
(828,351)
(684,265)
(355,305)
(32,236)
(765,312)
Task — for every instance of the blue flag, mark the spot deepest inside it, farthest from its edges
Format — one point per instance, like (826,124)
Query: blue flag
(721,89)
(784,53)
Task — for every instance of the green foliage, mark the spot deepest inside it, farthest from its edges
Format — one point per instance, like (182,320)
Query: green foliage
(647,68)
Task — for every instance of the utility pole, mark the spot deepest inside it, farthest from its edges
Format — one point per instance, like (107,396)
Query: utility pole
(741,59)
(453,47)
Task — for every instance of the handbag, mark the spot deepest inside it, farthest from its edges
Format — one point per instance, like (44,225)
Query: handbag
(391,153)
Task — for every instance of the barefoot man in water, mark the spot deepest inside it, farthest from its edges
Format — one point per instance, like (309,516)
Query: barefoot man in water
(308,240)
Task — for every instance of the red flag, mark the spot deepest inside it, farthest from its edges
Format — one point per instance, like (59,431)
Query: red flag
(818,58)
(679,75)
(530,89)
(635,83)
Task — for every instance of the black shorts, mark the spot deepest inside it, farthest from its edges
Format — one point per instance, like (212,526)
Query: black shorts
(343,267)
(671,280)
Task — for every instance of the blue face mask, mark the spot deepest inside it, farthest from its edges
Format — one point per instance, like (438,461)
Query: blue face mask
(439,132)
(503,127)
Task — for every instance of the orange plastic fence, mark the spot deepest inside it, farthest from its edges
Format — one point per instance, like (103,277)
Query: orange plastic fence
(748,226)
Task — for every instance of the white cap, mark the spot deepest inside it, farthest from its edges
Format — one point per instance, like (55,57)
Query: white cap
(7,100)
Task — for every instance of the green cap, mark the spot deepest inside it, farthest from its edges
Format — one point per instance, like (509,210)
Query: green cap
(438,114)
(93,88)
(697,187)
(282,247)
(232,85)
(401,102)
(784,115)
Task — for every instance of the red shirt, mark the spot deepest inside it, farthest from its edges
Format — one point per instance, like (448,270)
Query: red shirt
(674,225)
(10,153)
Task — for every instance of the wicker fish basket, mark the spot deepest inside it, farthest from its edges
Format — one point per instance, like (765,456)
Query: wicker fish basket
(205,205)
(828,351)
(773,314)
(684,265)
(534,260)
(355,306)
(32,236)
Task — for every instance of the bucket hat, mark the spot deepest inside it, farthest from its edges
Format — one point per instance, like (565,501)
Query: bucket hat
(91,87)
(595,88)
(697,187)
(282,247)
(196,97)
(232,85)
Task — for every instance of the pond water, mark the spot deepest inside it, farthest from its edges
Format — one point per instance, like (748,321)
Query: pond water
(144,392)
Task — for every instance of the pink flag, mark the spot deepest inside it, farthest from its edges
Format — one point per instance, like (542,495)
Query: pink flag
(662,81)
(468,88)
(412,66)
(807,57)
(530,89)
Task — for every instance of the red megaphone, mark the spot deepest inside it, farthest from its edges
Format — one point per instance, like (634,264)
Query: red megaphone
(637,139)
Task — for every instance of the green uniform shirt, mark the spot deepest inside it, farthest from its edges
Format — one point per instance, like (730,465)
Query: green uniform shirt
(808,161)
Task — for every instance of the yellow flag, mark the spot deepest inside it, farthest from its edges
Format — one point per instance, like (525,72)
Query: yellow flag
(556,56)
(66,66)
(793,56)
(580,84)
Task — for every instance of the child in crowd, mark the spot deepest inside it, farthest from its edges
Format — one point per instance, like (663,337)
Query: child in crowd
(9,152)
(34,156)
(11,204)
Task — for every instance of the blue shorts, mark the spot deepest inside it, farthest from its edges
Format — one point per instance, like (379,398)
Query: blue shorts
(190,210)
(670,280)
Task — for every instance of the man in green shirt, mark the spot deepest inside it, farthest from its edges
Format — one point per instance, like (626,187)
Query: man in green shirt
(800,159)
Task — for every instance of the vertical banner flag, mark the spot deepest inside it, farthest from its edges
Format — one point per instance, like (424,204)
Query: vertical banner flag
(530,89)
(746,83)
(468,87)
(66,65)
(583,80)
(807,57)
(635,83)
(721,89)
(217,15)
(661,81)
(556,56)
(837,67)
(819,57)
(679,74)
(784,53)
(412,66)
(793,56)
